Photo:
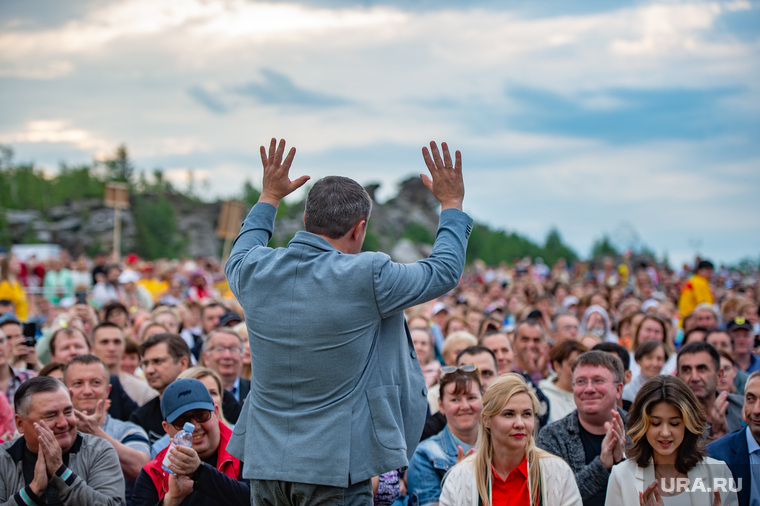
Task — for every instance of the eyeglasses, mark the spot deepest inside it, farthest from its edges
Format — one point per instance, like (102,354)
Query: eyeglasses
(583,382)
(465,368)
(197,416)
(235,350)
(727,368)
(154,361)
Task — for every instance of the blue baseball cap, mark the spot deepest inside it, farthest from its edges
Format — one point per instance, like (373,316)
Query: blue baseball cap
(184,395)
(9,318)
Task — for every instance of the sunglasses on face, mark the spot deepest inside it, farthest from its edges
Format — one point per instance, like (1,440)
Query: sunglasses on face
(197,416)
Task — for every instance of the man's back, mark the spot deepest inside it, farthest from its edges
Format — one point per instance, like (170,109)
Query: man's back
(337,394)
(326,328)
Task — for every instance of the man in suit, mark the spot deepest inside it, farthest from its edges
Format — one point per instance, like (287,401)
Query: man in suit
(740,450)
(337,394)
(223,352)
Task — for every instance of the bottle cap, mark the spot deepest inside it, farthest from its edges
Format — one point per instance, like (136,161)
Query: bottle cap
(189,427)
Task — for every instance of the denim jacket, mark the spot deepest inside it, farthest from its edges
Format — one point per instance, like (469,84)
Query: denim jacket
(430,462)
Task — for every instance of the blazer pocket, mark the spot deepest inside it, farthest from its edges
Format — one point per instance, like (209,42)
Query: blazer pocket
(385,410)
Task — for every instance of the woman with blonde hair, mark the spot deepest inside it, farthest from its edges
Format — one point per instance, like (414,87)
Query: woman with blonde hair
(213,383)
(508,468)
(666,453)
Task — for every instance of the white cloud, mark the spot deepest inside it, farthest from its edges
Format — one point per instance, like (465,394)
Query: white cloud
(122,72)
(57,130)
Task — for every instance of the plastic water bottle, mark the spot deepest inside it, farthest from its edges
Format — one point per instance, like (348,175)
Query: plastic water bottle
(181,438)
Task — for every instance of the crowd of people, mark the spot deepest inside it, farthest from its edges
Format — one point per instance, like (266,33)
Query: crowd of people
(117,356)
(574,384)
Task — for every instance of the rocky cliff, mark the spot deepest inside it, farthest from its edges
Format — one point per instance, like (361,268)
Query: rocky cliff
(403,227)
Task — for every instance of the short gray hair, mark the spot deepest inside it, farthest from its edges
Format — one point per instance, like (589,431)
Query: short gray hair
(221,330)
(334,205)
(22,400)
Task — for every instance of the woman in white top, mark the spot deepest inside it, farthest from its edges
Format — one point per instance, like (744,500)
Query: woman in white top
(650,357)
(666,462)
(653,328)
(507,463)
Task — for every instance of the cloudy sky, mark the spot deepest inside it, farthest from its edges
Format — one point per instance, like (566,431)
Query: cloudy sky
(638,119)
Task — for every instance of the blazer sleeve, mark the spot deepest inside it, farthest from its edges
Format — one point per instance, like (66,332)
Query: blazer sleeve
(614,487)
(257,229)
(399,286)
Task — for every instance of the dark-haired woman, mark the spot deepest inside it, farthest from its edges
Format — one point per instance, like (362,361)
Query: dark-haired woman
(650,357)
(666,462)
(461,402)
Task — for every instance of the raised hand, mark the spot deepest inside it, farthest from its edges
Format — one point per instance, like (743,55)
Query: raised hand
(461,455)
(447,184)
(276,182)
(90,423)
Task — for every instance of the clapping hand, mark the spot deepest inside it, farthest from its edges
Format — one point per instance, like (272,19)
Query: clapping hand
(650,496)
(90,423)
(718,416)
(49,447)
(614,442)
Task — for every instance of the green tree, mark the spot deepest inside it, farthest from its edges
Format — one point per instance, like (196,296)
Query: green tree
(418,234)
(603,247)
(120,167)
(554,249)
(250,194)
(157,229)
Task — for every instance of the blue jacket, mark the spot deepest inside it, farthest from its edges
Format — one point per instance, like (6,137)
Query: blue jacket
(337,394)
(431,461)
(733,450)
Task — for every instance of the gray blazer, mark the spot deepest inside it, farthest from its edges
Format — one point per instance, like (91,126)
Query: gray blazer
(337,395)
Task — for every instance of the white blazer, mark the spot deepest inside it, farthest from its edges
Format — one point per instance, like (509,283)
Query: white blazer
(557,483)
(627,479)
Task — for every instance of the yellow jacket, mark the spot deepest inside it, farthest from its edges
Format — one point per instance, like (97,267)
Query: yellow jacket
(14,292)
(694,292)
